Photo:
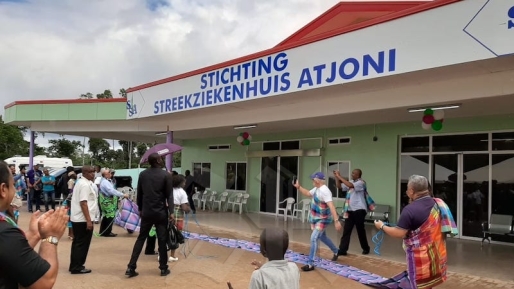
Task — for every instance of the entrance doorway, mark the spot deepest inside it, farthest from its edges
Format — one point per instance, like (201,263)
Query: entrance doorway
(277,181)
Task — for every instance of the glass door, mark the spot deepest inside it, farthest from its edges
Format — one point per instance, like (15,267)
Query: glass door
(288,169)
(277,181)
(269,178)
(445,182)
(475,193)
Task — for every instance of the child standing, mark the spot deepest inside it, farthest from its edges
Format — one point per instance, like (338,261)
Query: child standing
(277,272)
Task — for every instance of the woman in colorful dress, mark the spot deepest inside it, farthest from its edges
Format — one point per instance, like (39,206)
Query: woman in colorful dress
(423,225)
(181,204)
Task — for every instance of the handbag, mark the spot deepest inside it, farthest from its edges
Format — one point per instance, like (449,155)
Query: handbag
(175,237)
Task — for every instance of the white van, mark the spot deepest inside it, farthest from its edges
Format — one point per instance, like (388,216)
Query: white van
(42,161)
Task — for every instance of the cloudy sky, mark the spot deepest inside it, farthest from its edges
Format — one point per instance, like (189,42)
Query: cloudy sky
(55,49)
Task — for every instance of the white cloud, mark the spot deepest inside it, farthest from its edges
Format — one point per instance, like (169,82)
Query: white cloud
(52,49)
(55,49)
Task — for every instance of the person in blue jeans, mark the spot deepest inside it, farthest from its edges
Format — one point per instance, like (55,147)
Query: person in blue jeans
(48,182)
(323,213)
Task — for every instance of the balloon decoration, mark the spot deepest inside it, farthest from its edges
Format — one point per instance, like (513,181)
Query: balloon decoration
(244,138)
(432,119)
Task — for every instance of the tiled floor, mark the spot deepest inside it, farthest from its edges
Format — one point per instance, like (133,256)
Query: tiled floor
(493,261)
(210,266)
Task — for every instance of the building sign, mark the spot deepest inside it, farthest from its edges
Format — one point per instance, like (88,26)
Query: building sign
(510,14)
(457,33)
(270,76)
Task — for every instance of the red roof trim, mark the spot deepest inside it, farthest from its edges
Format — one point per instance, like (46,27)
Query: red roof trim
(348,7)
(65,101)
(378,20)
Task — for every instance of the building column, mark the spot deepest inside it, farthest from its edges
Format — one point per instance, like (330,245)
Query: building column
(169,158)
(31,149)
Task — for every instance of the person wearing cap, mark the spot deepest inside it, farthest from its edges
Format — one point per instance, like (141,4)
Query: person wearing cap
(323,212)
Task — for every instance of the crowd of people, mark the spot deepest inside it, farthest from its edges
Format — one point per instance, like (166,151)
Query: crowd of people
(162,203)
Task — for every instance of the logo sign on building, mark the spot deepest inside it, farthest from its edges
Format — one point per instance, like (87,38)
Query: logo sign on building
(131,107)
(510,14)
(461,32)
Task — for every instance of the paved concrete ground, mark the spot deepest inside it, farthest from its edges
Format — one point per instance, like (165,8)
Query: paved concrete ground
(210,266)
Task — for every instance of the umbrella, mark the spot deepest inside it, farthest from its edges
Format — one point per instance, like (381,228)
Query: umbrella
(163,149)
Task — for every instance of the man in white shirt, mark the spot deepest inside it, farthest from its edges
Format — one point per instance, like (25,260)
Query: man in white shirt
(84,206)
(323,213)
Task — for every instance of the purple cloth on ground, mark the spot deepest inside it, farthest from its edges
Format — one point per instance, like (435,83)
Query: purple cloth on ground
(399,281)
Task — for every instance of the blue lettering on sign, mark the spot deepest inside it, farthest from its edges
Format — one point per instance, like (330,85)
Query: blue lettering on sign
(131,108)
(348,69)
(510,13)
(269,75)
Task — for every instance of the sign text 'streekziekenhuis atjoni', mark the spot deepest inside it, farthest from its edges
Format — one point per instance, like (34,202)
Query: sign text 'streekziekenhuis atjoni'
(269,76)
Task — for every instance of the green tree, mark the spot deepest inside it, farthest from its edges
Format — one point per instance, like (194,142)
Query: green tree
(88,95)
(98,148)
(123,93)
(106,94)
(141,149)
(64,148)
(11,141)
(177,159)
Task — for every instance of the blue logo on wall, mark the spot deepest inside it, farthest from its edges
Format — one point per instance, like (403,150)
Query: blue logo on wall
(131,107)
(510,24)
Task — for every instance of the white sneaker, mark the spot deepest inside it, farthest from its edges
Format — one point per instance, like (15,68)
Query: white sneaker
(171,259)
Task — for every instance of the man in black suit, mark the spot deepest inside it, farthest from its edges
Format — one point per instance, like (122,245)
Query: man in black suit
(154,192)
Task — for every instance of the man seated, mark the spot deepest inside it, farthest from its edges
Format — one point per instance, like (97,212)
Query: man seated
(277,272)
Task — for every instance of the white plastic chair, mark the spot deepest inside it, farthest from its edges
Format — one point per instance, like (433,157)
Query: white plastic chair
(305,208)
(212,198)
(196,199)
(220,202)
(204,199)
(289,208)
(238,202)
(245,202)
(233,200)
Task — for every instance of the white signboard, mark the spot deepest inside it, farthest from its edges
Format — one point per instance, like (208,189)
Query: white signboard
(462,32)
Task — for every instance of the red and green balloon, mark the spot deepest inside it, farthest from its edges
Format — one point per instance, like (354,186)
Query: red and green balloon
(244,138)
(432,119)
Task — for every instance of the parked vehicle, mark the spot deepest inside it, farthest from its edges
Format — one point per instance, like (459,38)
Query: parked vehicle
(58,173)
(42,161)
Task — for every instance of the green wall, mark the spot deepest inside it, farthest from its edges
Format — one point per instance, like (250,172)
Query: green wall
(66,112)
(378,160)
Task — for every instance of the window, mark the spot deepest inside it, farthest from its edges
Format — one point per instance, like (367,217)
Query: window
(271,146)
(219,147)
(290,145)
(339,141)
(277,145)
(344,169)
(202,174)
(411,165)
(415,144)
(235,176)
(460,143)
(503,141)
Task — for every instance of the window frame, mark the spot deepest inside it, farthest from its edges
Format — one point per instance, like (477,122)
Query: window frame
(246,175)
(201,171)
(328,174)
